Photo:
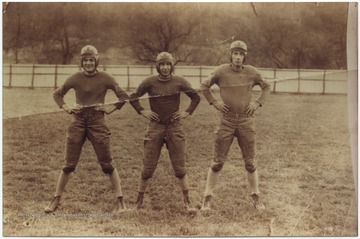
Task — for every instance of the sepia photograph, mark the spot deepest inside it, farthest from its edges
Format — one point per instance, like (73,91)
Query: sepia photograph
(180,119)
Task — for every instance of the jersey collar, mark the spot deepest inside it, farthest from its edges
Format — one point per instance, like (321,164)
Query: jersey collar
(164,78)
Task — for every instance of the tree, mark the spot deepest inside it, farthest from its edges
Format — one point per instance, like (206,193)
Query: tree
(48,36)
(12,26)
(161,27)
(298,35)
(57,41)
(280,35)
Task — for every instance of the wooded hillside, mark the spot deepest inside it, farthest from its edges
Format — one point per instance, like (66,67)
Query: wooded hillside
(278,35)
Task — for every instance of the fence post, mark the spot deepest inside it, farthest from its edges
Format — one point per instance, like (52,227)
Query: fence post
(128,77)
(299,78)
(324,81)
(32,77)
(10,78)
(151,70)
(56,73)
(275,80)
(200,75)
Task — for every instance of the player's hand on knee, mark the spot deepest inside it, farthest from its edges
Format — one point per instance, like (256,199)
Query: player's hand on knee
(220,106)
(150,115)
(251,108)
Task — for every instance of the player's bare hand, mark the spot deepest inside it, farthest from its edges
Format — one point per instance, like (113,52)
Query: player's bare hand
(151,115)
(220,106)
(180,115)
(70,110)
(251,108)
(107,109)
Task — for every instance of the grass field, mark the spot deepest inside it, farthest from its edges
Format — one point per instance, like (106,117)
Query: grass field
(303,155)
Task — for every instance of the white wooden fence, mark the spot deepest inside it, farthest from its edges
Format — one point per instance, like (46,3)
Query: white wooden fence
(128,77)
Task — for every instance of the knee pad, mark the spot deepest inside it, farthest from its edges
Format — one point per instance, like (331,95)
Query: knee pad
(217,167)
(108,170)
(68,170)
(180,175)
(250,168)
(146,174)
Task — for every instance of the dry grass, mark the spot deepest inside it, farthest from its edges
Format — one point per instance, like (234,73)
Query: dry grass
(304,161)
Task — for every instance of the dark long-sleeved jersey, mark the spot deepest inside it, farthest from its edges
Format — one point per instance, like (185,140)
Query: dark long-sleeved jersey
(90,90)
(235,86)
(164,96)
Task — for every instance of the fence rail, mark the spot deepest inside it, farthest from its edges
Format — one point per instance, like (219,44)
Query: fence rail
(128,77)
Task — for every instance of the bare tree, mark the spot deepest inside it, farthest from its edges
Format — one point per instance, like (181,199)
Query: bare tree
(59,45)
(47,35)
(281,35)
(162,27)
(13,39)
(299,35)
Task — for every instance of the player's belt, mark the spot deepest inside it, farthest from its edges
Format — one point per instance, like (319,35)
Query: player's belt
(89,113)
(235,115)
